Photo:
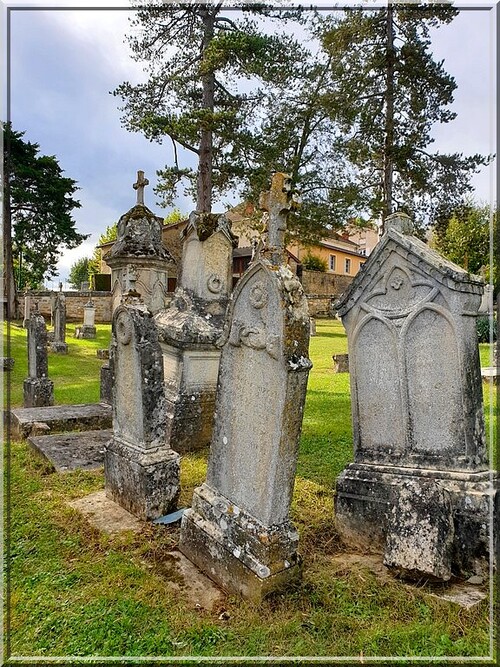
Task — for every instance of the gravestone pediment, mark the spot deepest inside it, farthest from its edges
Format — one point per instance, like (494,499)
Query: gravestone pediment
(139,234)
(403,271)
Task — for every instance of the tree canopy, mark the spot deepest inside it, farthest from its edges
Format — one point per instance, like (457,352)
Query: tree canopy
(206,69)
(38,205)
(79,272)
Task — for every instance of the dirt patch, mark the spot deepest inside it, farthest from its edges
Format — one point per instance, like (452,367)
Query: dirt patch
(183,575)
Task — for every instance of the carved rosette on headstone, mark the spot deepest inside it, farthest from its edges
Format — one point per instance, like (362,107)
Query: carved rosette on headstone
(59,317)
(190,327)
(141,471)
(420,476)
(139,256)
(38,389)
(238,530)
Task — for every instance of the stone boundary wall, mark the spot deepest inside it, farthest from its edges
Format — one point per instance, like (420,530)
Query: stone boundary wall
(320,283)
(75,301)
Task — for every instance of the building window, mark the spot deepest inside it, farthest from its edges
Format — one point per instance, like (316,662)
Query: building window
(332,262)
(348,266)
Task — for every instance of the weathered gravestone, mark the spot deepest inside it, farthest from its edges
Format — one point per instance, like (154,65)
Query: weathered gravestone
(419,488)
(340,363)
(27,307)
(141,471)
(59,318)
(87,330)
(238,530)
(190,327)
(138,255)
(38,389)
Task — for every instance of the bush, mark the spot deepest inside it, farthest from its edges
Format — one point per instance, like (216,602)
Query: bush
(313,263)
(483,329)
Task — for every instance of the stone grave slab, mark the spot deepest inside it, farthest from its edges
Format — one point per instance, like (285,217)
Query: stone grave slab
(59,418)
(106,515)
(72,451)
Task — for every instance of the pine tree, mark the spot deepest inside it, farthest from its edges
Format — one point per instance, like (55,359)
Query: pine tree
(389,94)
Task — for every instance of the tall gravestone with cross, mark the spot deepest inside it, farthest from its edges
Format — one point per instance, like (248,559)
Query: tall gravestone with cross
(238,530)
(141,471)
(139,249)
(419,488)
(38,389)
(59,318)
(190,327)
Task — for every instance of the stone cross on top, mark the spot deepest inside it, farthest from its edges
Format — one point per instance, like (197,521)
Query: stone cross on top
(139,186)
(278,202)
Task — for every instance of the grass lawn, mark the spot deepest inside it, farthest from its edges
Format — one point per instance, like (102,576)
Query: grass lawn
(77,592)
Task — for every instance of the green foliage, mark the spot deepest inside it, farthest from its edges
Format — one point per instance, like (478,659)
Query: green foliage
(208,71)
(173,217)
(314,263)
(389,93)
(108,235)
(466,239)
(79,272)
(483,325)
(40,201)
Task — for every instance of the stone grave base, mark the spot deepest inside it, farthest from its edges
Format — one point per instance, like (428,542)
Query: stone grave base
(189,418)
(237,551)
(85,331)
(72,451)
(145,483)
(366,495)
(57,418)
(38,392)
(59,347)
(491,372)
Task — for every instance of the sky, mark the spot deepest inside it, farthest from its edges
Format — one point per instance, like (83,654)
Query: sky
(65,61)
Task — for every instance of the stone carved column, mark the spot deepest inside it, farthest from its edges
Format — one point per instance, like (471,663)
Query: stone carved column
(141,471)
(38,389)
(59,315)
(238,530)
(190,327)
(421,463)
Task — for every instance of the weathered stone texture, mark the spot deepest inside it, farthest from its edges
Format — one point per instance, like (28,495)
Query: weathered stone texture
(141,471)
(340,363)
(238,529)
(190,328)
(416,395)
(38,389)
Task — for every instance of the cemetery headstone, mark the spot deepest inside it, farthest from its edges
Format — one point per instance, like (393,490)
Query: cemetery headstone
(59,318)
(38,389)
(190,327)
(27,307)
(421,463)
(138,256)
(340,363)
(238,530)
(141,471)
(87,330)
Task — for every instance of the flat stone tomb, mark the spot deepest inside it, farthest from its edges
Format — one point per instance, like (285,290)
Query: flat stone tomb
(72,451)
(419,487)
(238,529)
(59,418)
(141,471)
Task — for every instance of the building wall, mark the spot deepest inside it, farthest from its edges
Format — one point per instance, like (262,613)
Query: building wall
(75,302)
(340,254)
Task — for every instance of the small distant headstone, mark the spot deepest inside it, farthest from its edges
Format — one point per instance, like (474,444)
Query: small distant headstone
(312,326)
(340,363)
(38,389)
(238,530)
(420,477)
(141,471)
(88,329)
(103,353)
(59,318)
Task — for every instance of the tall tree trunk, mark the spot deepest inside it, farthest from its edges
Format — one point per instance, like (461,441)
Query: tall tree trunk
(389,118)
(204,181)
(9,280)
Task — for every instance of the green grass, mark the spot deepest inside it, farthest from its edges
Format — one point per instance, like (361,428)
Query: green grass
(76,591)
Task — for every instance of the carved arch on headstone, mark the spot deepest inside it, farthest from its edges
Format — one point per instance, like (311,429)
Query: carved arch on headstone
(432,366)
(116,294)
(378,416)
(158,296)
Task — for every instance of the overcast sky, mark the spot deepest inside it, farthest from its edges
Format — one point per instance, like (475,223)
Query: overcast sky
(65,62)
